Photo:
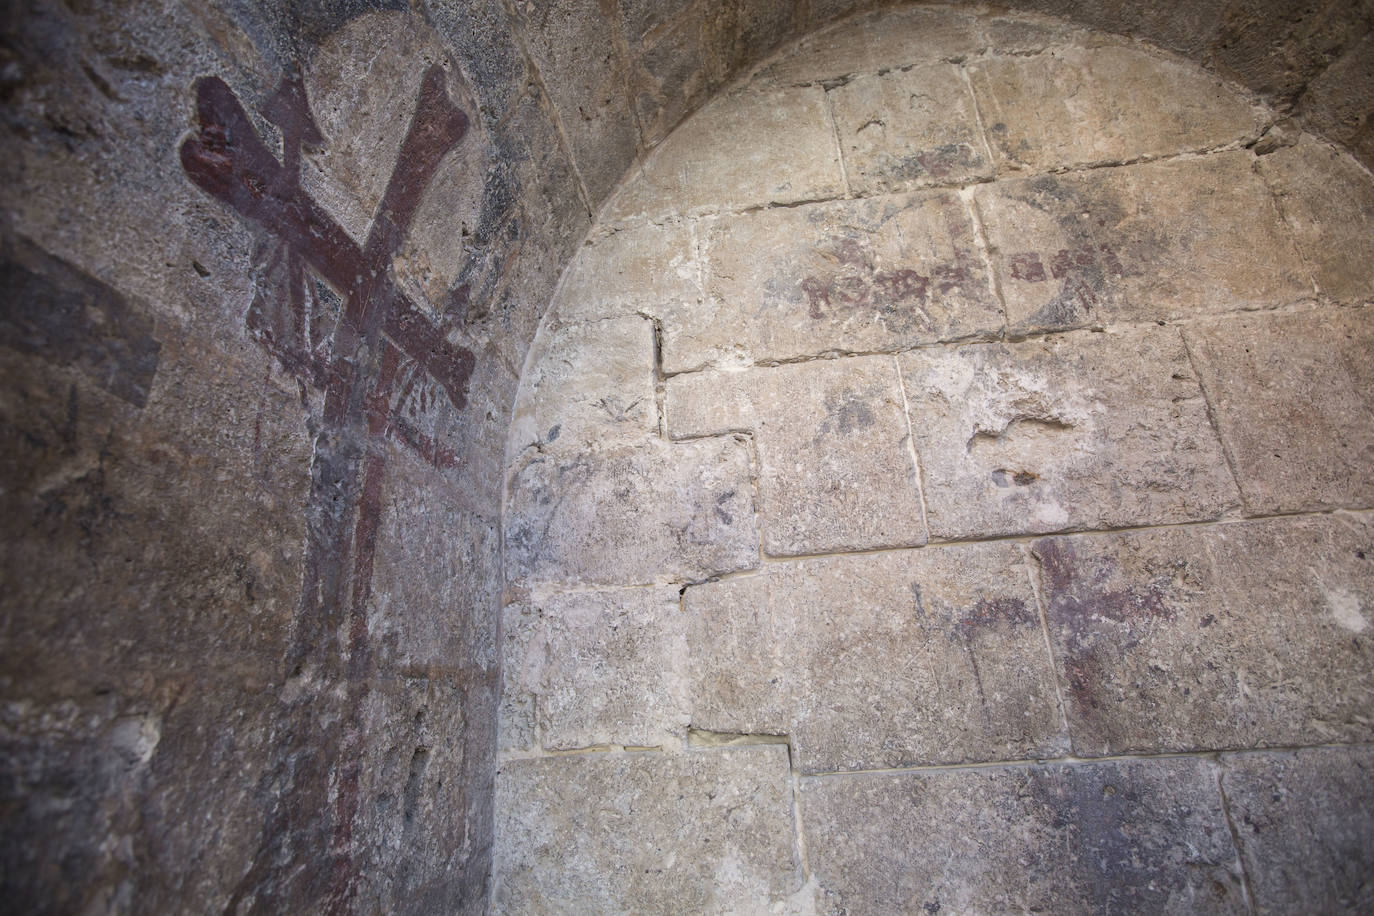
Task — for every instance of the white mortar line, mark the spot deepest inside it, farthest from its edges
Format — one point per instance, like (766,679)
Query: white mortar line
(1033,571)
(911,447)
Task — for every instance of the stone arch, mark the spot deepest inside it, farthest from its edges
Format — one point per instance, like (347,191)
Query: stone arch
(899,454)
(169,466)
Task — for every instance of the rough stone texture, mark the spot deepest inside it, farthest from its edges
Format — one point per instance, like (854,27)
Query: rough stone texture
(1337,104)
(879,41)
(632,515)
(719,159)
(597,668)
(1258,625)
(588,385)
(1304,821)
(583,71)
(1074,431)
(643,268)
(1276,47)
(1142,837)
(1292,394)
(1149,242)
(907,129)
(851,276)
(1328,199)
(882,660)
(1086,105)
(248,620)
(626,848)
(835,470)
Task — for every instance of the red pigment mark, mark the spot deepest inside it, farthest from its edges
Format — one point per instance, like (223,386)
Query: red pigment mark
(357,357)
(1066,262)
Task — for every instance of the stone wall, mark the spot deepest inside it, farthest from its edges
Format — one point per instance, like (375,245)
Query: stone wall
(271,275)
(940,485)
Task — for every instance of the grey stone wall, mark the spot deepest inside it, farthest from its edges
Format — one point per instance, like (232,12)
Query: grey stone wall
(256,393)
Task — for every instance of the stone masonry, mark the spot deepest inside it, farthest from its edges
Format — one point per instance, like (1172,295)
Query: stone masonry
(941,485)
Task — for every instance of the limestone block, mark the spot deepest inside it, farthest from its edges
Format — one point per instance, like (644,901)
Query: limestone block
(1100,105)
(884,41)
(696,832)
(1142,243)
(1328,199)
(1017,33)
(1072,431)
(1121,837)
(642,268)
(598,668)
(881,660)
(848,276)
(657,512)
(1304,821)
(588,386)
(671,75)
(743,149)
(1234,635)
(835,469)
(907,129)
(1294,400)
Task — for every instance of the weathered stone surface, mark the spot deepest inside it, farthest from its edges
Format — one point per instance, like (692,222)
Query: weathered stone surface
(1237,635)
(1293,396)
(1328,199)
(1337,104)
(881,41)
(849,275)
(1008,34)
(1276,47)
(1073,431)
(588,386)
(697,832)
(670,75)
(1142,243)
(1304,822)
(1093,105)
(835,466)
(643,268)
(882,660)
(573,48)
(743,149)
(658,512)
(1142,837)
(598,668)
(907,129)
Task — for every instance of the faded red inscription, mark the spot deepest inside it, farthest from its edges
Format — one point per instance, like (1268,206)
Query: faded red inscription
(339,323)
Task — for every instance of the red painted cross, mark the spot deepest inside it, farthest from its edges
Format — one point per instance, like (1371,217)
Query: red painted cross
(232,163)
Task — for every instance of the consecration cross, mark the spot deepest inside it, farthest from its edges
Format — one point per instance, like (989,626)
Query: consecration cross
(380,342)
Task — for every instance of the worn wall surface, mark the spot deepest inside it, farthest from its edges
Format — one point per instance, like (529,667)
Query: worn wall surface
(941,486)
(271,272)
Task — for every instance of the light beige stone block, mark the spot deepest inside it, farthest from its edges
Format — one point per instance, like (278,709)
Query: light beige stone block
(908,129)
(1328,199)
(1304,821)
(1098,105)
(1122,837)
(598,668)
(587,386)
(1249,634)
(881,660)
(641,268)
(1072,431)
(697,832)
(743,149)
(835,468)
(1294,400)
(1158,241)
(849,276)
(658,512)
(888,40)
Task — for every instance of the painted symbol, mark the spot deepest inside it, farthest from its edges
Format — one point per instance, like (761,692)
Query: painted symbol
(335,319)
